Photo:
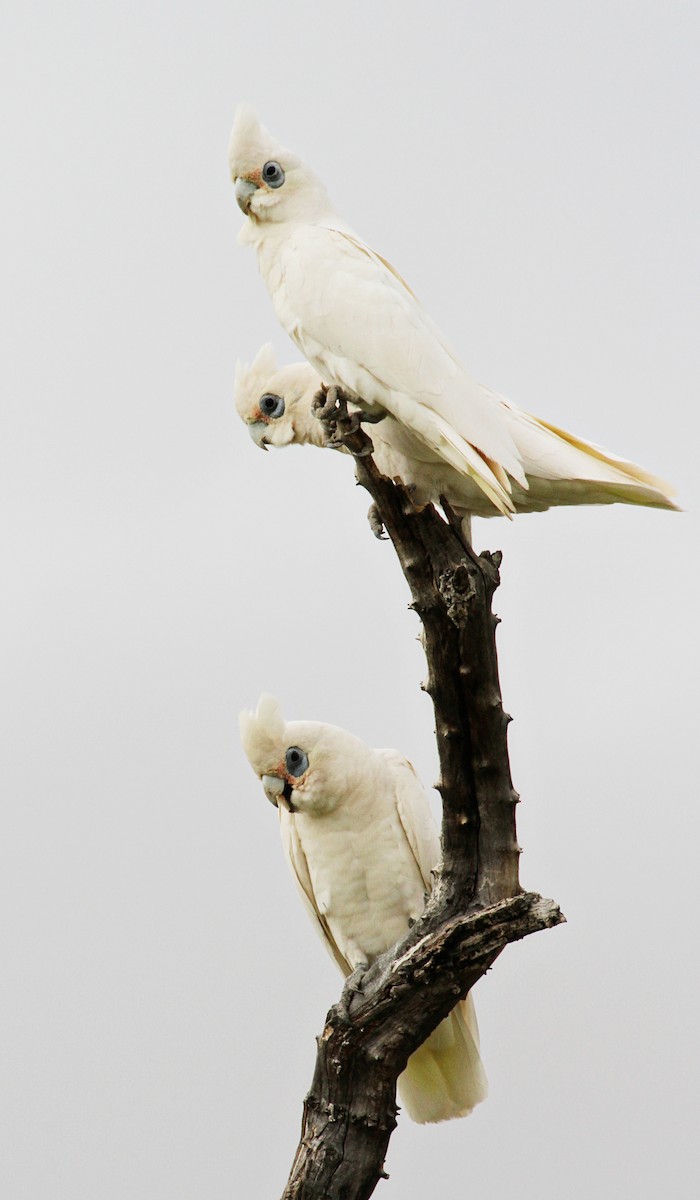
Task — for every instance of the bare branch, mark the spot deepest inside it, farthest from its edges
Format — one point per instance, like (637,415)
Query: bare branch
(477,905)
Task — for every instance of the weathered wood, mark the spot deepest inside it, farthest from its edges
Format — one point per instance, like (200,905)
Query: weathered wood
(350,1111)
(477,905)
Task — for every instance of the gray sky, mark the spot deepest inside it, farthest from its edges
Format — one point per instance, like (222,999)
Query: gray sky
(532,170)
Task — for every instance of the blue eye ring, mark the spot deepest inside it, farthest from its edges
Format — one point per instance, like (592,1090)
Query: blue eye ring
(272,174)
(271,406)
(296,761)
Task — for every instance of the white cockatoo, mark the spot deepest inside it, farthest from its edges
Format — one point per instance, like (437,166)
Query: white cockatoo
(276,403)
(361,843)
(362,329)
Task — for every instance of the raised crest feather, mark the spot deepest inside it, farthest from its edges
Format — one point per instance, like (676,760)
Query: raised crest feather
(251,381)
(250,144)
(262,734)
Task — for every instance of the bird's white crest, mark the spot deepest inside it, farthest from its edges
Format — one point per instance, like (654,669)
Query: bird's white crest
(262,734)
(252,381)
(250,143)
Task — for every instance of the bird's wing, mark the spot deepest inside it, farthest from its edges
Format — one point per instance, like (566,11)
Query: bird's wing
(357,321)
(294,853)
(415,816)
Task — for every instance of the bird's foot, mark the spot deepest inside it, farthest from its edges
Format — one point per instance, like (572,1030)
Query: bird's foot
(343,428)
(353,987)
(372,416)
(328,404)
(375,523)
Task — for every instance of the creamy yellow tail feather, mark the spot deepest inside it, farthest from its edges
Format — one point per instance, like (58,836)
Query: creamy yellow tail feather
(587,463)
(445,1077)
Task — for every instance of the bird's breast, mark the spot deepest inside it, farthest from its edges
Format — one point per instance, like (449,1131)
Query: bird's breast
(366,879)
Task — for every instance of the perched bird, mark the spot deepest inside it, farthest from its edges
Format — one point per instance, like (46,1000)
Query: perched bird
(276,403)
(361,328)
(361,843)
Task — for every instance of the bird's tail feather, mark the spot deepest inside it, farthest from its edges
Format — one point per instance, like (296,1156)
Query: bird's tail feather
(566,469)
(445,1077)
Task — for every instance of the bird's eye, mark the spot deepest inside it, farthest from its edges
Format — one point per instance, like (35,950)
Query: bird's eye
(273,174)
(296,761)
(271,405)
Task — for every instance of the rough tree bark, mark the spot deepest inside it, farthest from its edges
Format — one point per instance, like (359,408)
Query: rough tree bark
(477,905)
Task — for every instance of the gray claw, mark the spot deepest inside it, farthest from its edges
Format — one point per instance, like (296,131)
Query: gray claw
(326,403)
(331,408)
(353,987)
(376,524)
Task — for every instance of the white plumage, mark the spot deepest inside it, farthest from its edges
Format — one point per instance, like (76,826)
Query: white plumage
(361,843)
(560,468)
(360,327)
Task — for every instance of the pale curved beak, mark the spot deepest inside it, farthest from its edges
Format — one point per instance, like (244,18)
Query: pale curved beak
(245,190)
(273,787)
(257,430)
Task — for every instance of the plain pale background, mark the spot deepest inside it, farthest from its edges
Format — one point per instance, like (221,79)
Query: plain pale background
(532,170)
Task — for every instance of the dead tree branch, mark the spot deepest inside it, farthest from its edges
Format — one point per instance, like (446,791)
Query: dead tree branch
(477,906)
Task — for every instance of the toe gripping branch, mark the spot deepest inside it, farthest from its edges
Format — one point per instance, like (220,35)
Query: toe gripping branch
(343,428)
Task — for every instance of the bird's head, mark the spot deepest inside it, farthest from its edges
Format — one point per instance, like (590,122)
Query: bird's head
(272,184)
(277,403)
(304,766)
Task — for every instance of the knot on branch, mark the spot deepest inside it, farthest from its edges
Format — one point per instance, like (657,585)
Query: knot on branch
(458,588)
